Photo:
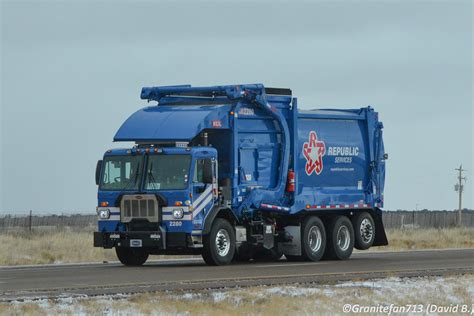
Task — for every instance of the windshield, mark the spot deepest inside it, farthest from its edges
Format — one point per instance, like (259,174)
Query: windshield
(121,173)
(167,172)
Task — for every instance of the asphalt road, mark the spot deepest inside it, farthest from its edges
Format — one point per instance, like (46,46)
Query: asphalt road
(112,278)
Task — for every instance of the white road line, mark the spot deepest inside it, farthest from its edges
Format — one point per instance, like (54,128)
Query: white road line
(289,264)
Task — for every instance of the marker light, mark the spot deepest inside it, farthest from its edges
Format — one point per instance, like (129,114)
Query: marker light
(178,203)
(308,206)
(104,204)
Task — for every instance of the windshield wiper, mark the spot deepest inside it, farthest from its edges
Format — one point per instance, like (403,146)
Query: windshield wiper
(131,184)
(151,178)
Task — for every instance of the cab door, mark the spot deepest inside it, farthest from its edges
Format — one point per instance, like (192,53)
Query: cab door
(204,189)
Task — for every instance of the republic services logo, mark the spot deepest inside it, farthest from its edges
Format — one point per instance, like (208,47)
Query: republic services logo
(313,151)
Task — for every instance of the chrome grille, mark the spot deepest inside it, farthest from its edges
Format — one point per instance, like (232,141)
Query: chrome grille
(139,206)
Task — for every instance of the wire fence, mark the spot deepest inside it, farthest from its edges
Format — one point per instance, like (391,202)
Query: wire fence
(392,219)
(14,222)
(427,219)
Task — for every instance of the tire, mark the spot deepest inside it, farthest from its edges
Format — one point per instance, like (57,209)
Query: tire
(364,230)
(219,244)
(130,256)
(313,239)
(340,238)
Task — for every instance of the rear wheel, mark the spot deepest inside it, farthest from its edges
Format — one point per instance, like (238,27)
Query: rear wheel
(219,244)
(313,239)
(130,256)
(364,231)
(340,241)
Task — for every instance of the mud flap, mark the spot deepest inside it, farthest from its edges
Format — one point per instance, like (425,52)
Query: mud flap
(268,238)
(380,236)
(293,246)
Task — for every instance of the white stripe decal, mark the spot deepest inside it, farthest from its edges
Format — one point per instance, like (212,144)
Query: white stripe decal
(111,218)
(169,208)
(111,209)
(202,196)
(202,206)
(171,218)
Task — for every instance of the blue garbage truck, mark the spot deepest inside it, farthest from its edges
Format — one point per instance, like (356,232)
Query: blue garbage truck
(239,173)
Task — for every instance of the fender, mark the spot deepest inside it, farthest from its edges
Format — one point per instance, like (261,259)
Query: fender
(215,211)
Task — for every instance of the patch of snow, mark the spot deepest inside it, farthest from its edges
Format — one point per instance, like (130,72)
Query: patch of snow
(394,290)
(219,296)
(292,291)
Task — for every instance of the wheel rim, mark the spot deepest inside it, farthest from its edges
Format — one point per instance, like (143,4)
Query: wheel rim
(366,230)
(315,238)
(222,242)
(343,238)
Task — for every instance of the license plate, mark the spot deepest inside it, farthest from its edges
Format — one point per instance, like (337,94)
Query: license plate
(135,242)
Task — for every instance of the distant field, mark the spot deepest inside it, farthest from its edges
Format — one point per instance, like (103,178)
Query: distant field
(67,246)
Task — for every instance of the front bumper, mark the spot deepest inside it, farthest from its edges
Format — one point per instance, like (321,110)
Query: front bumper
(158,240)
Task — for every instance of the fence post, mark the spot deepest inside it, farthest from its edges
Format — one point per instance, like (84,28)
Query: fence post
(29,222)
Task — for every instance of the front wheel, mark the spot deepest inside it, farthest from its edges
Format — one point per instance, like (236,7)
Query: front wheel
(130,256)
(219,244)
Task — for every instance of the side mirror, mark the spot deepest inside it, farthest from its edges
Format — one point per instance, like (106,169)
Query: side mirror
(98,168)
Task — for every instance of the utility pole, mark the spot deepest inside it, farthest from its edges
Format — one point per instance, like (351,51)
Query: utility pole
(459,187)
(29,222)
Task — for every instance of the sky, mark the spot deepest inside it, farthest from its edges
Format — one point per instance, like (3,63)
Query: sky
(71,73)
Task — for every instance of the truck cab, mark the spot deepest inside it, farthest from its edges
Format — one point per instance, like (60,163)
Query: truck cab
(162,192)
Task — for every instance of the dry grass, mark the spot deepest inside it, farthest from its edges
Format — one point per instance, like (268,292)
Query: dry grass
(285,300)
(40,247)
(66,246)
(429,238)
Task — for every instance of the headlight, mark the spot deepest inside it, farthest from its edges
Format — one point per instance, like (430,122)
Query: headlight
(178,213)
(104,214)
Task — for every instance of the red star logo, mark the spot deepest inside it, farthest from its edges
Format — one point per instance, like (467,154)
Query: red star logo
(314,151)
